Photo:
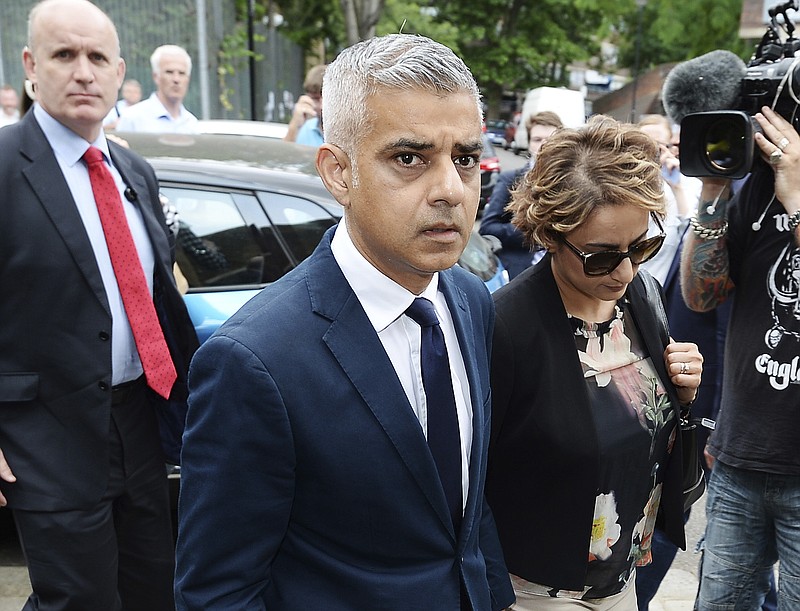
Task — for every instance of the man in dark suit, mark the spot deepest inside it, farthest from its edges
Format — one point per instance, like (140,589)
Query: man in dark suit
(516,255)
(313,459)
(82,465)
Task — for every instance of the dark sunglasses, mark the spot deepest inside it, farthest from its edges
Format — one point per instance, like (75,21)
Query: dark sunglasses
(606,261)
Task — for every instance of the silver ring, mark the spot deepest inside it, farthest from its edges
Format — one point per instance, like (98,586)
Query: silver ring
(775,156)
(783,143)
(684,367)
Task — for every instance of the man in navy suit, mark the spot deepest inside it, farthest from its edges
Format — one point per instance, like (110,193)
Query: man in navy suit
(82,466)
(308,482)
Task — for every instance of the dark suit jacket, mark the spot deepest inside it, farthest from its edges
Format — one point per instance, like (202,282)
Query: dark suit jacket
(307,482)
(515,255)
(55,335)
(543,460)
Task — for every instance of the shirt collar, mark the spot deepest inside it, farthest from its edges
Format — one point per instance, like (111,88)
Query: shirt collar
(65,143)
(383,300)
(163,113)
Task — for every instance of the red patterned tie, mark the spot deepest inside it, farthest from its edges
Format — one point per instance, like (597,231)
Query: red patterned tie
(147,333)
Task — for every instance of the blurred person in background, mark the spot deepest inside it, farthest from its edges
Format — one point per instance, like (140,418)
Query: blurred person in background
(131,93)
(163,111)
(681,194)
(9,105)
(496,220)
(707,330)
(586,387)
(305,126)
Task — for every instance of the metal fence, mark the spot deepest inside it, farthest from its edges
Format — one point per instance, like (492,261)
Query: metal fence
(205,28)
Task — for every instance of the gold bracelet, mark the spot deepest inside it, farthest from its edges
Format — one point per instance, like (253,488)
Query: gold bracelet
(707,233)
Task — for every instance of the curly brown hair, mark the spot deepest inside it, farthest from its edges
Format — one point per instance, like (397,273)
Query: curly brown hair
(604,162)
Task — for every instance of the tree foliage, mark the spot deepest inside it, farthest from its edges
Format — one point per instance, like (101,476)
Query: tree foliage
(515,45)
(677,30)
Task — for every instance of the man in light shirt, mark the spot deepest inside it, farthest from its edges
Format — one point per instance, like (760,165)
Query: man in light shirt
(163,111)
(9,105)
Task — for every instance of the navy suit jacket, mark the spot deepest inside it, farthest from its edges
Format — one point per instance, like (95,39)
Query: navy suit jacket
(55,348)
(307,482)
(515,254)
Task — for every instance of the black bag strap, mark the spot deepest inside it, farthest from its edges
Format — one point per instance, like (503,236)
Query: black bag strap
(653,293)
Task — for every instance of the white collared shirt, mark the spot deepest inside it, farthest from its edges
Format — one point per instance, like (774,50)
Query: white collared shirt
(385,303)
(69,148)
(151,115)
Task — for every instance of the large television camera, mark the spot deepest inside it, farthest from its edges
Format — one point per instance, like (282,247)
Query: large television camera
(720,142)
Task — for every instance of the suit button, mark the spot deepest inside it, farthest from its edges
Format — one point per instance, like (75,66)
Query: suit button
(103,336)
(103,386)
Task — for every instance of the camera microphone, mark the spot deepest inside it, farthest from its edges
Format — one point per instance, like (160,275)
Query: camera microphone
(705,83)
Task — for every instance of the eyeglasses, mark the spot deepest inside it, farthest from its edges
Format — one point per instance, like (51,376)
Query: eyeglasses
(606,261)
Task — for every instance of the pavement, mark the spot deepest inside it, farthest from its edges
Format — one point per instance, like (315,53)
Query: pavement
(677,591)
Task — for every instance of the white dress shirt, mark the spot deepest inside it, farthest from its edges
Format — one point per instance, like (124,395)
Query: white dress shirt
(385,303)
(151,115)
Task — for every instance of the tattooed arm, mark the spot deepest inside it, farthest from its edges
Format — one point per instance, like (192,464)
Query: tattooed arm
(705,279)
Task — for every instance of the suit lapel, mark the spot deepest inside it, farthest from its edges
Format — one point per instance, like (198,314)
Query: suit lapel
(55,197)
(468,338)
(356,347)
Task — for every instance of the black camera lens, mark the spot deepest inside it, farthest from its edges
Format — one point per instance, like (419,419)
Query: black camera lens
(717,143)
(725,144)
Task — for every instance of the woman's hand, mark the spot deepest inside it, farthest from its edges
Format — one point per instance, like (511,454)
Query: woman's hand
(684,365)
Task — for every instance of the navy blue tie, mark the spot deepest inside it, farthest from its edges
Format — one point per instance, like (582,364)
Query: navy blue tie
(444,439)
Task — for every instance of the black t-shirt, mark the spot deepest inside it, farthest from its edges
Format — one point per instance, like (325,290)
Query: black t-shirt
(759,418)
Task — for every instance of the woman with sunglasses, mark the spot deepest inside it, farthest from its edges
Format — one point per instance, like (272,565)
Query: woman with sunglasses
(586,399)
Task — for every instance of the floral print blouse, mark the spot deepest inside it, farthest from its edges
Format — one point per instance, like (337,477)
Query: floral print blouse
(635,426)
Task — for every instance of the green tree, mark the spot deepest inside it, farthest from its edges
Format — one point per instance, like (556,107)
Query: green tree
(513,45)
(310,22)
(677,30)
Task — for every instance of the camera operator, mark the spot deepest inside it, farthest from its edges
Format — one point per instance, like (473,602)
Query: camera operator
(751,243)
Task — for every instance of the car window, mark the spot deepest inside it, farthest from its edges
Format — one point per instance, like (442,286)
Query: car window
(216,247)
(301,223)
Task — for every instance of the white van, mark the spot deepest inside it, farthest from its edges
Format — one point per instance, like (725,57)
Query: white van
(568,104)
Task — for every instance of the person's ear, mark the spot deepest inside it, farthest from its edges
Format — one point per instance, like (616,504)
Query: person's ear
(334,167)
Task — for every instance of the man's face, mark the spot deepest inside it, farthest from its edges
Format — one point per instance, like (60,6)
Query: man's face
(172,80)
(413,206)
(75,65)
(131,93)
(538,136)
(662,136)
(9,101)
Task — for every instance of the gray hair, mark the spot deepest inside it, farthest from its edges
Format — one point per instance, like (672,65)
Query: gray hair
(155,58)
(34,13)
(396,61)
